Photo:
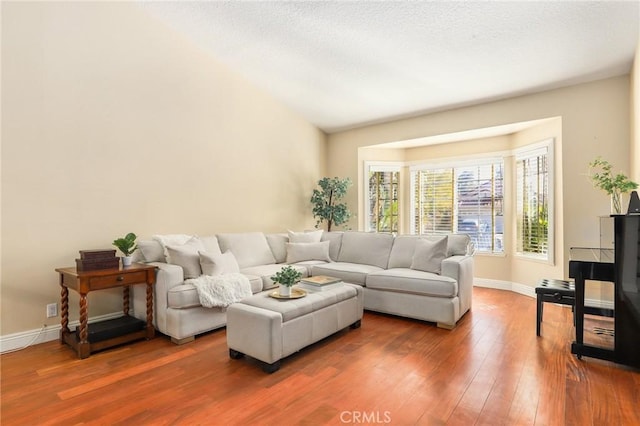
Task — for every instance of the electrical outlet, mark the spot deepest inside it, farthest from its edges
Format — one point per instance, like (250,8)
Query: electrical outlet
(52,310)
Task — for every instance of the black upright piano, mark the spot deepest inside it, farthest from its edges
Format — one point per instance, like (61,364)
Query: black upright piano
(624,272)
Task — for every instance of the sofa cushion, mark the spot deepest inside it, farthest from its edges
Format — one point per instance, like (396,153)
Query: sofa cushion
(335,240)
(171,239)
(186,256)
(151,250)
(256,283)
(265,272)
(458,244)
(405,280)
(305,237)
(308,264)
(404,246)
(211,245)
(218,264)
(301,252)
(249,248)
(183,296)
(277,244)
(367,248)
(429,255)
(402,251)
(354,273)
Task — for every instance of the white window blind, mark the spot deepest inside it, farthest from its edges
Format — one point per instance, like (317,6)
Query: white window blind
(463,198)
(533,199)
(382,198)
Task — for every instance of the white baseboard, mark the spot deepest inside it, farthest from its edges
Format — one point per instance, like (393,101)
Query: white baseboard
(22,340)
(531,291)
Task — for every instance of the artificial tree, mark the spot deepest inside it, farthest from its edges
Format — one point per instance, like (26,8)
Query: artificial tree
(326,202)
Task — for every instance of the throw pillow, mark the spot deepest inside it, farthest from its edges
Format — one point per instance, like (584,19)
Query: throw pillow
(305,237)
(152,251)
(458,245)
(171,240)
(301,252)
(218,264)
(186,256)
(211,244)
(277,244)
(429,255)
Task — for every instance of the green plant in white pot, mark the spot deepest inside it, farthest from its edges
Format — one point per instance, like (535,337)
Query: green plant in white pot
(286,278)
(601,175)
(127,246)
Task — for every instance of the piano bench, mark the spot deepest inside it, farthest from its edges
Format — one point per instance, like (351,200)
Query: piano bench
(554,291)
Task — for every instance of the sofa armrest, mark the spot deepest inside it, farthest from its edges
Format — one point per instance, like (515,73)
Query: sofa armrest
(460,268)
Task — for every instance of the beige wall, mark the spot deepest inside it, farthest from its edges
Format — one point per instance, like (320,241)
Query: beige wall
(595,121)
(635,116)
(113,123)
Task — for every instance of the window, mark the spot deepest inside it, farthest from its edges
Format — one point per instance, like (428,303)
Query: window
(533,202)
(382,198)
(462,198)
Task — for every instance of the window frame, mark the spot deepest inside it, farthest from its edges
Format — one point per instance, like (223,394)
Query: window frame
(544,147)
(380,166)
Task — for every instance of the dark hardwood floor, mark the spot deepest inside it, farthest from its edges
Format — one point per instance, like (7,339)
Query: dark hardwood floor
(490,370)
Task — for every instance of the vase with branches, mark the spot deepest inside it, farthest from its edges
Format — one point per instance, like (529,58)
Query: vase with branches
(602,176)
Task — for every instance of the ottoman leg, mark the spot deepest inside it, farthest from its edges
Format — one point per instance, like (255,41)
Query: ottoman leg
(539,313)
(233,354)
(356,324)
(271,368)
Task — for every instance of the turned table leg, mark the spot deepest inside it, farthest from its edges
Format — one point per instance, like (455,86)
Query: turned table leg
(84,347)
(64,310)
(150,329)
(125,299)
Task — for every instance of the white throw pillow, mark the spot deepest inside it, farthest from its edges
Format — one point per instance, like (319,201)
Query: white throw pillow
(171,240)
(186,256)
(429,255)
(152,251)
(218,264)
(301,252)
(458,244)
(211,244)
(305,237)
(277,244)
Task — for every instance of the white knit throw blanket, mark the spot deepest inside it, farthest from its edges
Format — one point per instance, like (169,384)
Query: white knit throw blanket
(221,291)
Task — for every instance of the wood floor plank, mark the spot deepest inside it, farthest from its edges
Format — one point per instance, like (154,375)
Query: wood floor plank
(491,369)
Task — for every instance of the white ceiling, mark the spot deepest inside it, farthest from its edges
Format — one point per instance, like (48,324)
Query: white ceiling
(344,64)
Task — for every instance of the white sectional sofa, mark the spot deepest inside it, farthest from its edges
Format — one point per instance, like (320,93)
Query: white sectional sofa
(426,278)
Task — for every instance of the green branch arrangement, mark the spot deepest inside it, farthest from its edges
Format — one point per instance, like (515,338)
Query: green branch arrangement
(602,177)
(287,276)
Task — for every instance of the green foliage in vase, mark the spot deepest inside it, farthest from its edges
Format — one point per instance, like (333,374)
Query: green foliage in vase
(602,176)
(126,245)
(287,276)
(326,202)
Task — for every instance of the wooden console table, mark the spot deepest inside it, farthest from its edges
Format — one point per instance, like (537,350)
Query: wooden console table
(83,283)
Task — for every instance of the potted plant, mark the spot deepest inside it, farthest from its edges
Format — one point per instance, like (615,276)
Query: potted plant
(602,177)
(286,278)
(326,202)
(127,246)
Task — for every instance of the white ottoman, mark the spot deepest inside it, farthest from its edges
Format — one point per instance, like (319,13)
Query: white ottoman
(269,329)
